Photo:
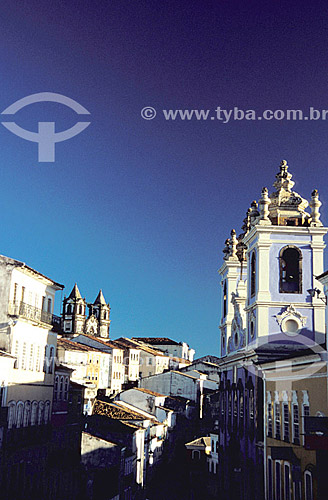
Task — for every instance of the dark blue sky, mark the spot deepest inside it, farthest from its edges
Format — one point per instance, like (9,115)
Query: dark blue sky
(141,208)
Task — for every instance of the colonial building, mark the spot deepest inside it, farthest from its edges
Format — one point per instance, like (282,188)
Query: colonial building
(27,337)
(272,313)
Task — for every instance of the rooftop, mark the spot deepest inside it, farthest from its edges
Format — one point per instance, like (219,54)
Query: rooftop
(201,442)
(30,270)
(134,344)
(157,340)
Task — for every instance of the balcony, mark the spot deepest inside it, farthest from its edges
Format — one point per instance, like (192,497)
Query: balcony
(32,313)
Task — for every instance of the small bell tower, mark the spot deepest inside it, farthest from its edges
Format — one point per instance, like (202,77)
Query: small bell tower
(74,308)
(101,311)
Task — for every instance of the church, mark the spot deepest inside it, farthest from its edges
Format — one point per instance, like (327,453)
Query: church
(75,319)
(273,360)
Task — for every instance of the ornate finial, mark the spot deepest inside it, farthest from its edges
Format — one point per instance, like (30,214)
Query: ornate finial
(264,203)
(241,250)
(247,222)
(283,179)
(234,242)
(315,204)
(226,249)
(254,212)
(283,167)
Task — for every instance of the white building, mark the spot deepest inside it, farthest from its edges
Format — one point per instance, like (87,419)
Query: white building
(111,373)
(26,316)
(168,346)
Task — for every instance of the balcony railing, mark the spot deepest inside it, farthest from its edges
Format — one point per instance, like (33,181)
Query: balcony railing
(29,312)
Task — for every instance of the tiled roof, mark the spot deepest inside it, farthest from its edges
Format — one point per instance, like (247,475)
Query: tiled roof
(115,412)
(75,346)
(133,344)
(110,343)
(156,340)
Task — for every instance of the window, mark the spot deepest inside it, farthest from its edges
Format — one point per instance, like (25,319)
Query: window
(80,309)
(24,356)
(16,354)
(195,455)
(278,480)
(251,404)
(49,305)
(31,360)
(47,412)
(286,421)
(23,294)
(277,421)
(241,405)
(56,387)
(61,389)
(45,359)
(269,419)
(296,424)
(34,413)
(287,482)
(253,274)
(38,359)
(213,445)
(15,292)
(51,359)
(41,413)
(308,485)
(225,299)
(27,413)
(290,270)
(306,413)
(66,389)
(11,414)
(20,414)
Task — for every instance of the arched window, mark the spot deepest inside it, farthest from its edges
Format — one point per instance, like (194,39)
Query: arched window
(195,455)
(251,404)
(20,414)
(47,412)
(65,398)
(308,485)
(27,413)
(69,309)
(225,299)
(51,359)
(253,274)
(56,387)
(61,389)
(41,413)
(11,414)
(34,414)
(80,309)
(290,259)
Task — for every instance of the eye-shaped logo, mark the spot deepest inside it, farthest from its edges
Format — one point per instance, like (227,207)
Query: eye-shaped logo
(46,137)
